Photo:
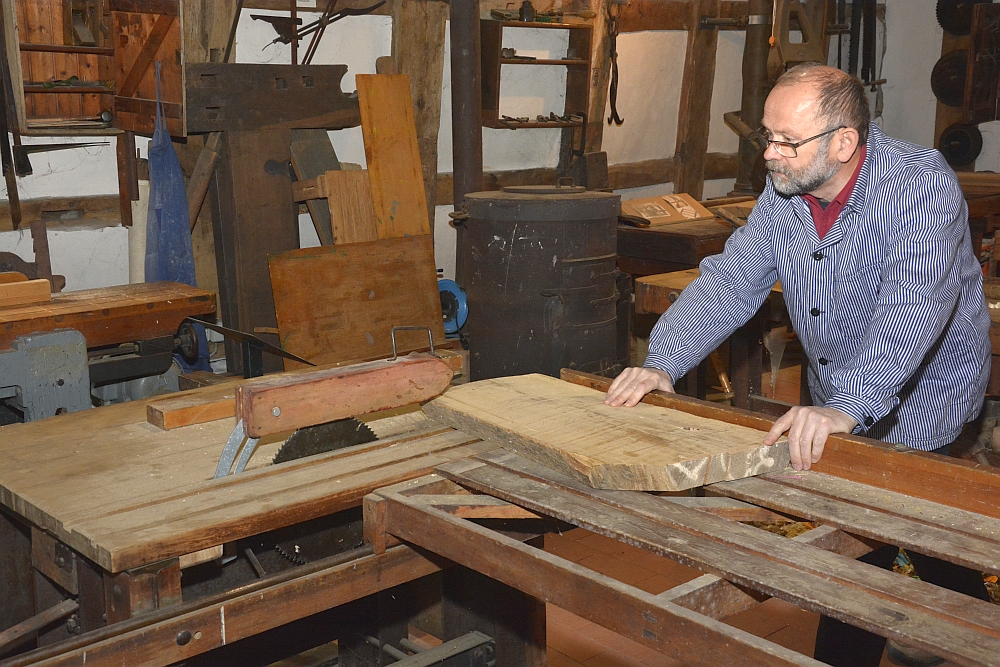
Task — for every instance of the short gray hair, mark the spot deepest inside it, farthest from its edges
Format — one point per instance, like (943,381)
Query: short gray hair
(842,98)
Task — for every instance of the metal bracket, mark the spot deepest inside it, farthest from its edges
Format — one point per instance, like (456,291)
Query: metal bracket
(235,445)
(392,333)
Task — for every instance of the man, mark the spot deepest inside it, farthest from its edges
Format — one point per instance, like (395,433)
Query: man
(869,237)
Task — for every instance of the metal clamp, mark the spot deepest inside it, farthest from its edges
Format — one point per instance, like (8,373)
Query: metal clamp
(233,447)
(430,337)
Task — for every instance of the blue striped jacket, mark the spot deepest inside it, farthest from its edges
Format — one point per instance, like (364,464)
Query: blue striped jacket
(889,306)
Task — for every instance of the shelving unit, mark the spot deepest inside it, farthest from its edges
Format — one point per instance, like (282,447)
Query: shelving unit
(577,64)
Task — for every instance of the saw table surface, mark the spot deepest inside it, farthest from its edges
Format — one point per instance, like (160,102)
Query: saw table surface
(110,315)
(125,493)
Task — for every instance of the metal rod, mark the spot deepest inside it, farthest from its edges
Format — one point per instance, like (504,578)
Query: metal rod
(466,113)
(67,48)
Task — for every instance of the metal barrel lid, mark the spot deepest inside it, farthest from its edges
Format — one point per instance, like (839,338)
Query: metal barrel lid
(543,203)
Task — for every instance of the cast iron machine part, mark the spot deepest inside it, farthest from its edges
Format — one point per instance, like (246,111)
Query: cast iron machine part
(955,16)
(961,144)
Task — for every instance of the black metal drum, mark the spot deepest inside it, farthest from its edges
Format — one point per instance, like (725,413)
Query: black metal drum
(540,267)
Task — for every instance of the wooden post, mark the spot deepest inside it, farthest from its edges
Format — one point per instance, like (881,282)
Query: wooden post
(142,590)
(696,100)
(418,31)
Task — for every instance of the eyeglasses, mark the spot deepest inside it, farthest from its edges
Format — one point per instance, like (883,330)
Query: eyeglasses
(788,148)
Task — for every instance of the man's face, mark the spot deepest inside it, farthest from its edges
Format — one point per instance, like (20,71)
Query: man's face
(790,115)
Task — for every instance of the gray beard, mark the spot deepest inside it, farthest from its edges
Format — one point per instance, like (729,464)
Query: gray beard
(803,181)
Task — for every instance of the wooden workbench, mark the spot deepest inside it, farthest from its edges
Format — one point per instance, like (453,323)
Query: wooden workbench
(110,315)
(643,251)
(864,494)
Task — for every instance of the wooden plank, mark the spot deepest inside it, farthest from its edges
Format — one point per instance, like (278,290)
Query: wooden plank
(814,579)
(953,482)
(25,292)
(393,155)
(418,32)
(110,315)
(696,100)
(287,402)
(571,430)
(175,412)
(640,616)
(340,303)
(349,197)
(143,35)
(227,618)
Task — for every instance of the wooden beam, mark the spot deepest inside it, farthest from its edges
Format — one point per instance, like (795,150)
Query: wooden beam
(640,616)
(418,33)
(949,481)
(696,100)
(624,175)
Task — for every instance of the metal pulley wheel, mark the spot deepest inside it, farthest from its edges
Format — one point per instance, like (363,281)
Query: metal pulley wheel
(948,78)
(961,144)
(955,16)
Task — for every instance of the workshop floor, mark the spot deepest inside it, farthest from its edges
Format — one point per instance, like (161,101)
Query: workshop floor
(576,642)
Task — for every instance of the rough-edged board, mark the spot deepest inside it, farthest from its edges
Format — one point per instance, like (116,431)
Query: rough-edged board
(569,429)
(393,155)
(24,292)
(339,303)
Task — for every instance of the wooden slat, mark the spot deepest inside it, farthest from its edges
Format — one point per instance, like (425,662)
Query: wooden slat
(393,155)
(340,303)
(890,467)
(312,156)
(15,634)
(811,578)
(110,315)
(144,59)
(640,616)
(932,540)
(349,197)
(571,430)
(25,292)
(292,401)
(175,412)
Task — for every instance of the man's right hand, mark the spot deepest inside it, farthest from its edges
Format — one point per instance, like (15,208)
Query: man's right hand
(635,382)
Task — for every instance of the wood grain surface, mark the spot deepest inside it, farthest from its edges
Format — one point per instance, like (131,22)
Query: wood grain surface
(125,493)
(340,303)
(569,429)
(286,402)
(393,155)
(25,292)
(110,315)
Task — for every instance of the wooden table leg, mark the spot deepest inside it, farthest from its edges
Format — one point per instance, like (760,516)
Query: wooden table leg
(746,360)
(142,590)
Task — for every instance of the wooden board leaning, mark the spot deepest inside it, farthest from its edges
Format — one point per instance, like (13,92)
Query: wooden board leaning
(568,428)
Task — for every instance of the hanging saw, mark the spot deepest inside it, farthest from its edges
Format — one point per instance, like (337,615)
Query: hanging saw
(292,401)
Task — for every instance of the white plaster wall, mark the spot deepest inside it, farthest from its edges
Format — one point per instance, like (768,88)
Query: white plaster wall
(87,257)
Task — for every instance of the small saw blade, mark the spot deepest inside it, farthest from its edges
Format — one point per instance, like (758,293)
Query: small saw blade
(324,438)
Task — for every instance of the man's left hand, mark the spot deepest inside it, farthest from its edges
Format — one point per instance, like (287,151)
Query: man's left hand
(808,428)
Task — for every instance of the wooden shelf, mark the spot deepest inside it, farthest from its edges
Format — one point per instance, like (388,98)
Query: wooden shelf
(540,24)
(95,90)
(577,70)
(64,48)
(569,62)
(500,124)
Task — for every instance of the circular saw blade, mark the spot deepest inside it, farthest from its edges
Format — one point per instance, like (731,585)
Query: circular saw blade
(955,16)
(324,438)
(948,78)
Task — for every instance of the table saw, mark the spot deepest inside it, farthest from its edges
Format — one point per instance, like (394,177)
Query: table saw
(108,512)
